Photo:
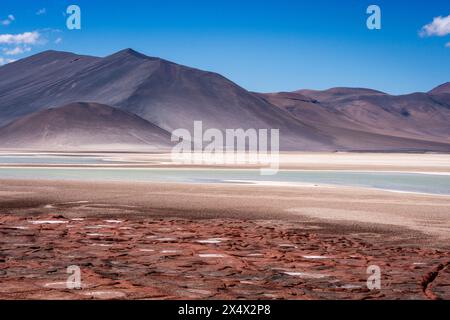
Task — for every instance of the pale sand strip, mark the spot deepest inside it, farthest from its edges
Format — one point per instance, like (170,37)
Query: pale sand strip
(404,162)
(426,214)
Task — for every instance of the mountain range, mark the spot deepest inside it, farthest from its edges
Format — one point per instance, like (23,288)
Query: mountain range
(63,101)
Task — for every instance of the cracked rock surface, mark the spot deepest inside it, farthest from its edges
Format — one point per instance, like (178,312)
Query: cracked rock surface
(174,258)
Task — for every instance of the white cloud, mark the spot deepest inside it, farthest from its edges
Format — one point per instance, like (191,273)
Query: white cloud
(58,40)
(21,38)
(15,51)
(8,20)
(447,45)
(41,12)
(439,27)
(5,61)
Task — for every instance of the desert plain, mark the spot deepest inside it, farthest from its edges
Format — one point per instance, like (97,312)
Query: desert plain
(180,240)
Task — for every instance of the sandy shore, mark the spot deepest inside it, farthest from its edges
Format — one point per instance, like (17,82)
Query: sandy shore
(421,216)
(402,162)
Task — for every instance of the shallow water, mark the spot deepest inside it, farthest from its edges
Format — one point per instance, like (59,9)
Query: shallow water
(393,181)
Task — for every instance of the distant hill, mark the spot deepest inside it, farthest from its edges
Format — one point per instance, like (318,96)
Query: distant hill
(356,130)
(443,88)
(338,93)
(83,126)
(167,96)
(418,116)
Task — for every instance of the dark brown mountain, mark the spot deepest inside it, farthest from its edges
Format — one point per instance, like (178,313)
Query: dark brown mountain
(172,96)
(420,116)
(83,126)
(25,85)
(167,94)
(353,130)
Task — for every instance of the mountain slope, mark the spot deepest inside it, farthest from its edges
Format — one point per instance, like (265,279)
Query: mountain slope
(172,96)
(83,126)
(25,84)
(415,116)
(443,88)
(350,132)
(167,94)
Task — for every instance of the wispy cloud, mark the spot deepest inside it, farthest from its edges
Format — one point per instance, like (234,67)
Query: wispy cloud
(16,50)
(41,12)
(440,26)
(21,38)
(447,45)
(5,61)
(58,40)
(6,22)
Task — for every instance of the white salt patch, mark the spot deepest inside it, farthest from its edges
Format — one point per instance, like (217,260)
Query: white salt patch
(350,286)
(211,255)
(315,257)
(169,251)
(286,245)
(48,222)
(166,239)
(280,184)
(101,245)
(56,285)
(100,226)
(419,263)
(255,255)
(105,294)
(20,227)
(147,250)
(77,219)
(199,291)
(306,275)
(97,234)
(114,221)
(48,206)
(211,241)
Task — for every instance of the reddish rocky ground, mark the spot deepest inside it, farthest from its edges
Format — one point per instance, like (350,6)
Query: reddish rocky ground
(164,258)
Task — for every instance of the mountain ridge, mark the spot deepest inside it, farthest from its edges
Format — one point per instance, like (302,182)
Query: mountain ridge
(173,96)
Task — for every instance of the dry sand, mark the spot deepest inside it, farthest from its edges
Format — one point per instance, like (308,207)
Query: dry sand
(424,217)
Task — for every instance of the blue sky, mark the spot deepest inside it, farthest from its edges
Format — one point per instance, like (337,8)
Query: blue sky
(264,46)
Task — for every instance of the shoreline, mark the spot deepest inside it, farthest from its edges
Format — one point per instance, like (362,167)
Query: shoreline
(232,181)
(401,162)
